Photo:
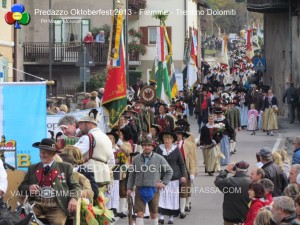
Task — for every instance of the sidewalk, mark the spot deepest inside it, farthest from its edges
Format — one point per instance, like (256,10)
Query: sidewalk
(286,133)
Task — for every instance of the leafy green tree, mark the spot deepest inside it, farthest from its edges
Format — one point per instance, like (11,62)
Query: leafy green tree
(97,81)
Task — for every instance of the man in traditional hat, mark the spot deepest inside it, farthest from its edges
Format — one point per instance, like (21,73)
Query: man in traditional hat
(233,116)
(165,121)
(273,172)
(50,185)
(134,120)
(235,189)
(145,115)
(203,105)
(149,173)
(95,147)
(188,152)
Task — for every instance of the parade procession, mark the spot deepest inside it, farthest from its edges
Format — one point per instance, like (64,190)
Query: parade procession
(166,114)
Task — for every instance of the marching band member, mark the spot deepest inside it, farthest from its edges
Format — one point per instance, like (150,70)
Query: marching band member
(165,121)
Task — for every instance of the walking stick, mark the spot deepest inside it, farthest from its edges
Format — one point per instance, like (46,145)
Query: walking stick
(130,210)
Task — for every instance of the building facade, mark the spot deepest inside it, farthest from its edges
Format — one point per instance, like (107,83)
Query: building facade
(6,44)
(70,22)
(281,29)
(181,19)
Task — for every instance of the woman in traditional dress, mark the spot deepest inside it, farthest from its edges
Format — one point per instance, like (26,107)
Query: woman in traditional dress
(270,117)
(125,144)
(252,119)
(228,134)
(210,138)
(169,196)
(121,152)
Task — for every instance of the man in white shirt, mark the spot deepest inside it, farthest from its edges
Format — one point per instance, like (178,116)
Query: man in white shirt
(3,179)
(95,147)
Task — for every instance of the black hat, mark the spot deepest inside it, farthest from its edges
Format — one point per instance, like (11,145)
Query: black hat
(157,128)
(147,141)
(46,144)
(161,136)
(218,100)
(181,131)
(113,133)
(217,110)
(183,124)
(127,134)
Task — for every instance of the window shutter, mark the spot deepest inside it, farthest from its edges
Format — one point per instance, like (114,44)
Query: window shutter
(169,31)
(144,39)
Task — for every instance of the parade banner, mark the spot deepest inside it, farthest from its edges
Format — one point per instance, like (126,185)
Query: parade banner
(171,67)
(22,121)
(52,120)
(115,96)
(163,90)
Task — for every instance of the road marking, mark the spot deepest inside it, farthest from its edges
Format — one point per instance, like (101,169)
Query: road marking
(276,145)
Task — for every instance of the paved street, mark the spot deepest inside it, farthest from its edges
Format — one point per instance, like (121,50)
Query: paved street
(206,203)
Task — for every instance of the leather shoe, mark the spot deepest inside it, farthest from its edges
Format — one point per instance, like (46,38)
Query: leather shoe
(170,222)
(182,215)
(121,215)
(161,221)
(187,209)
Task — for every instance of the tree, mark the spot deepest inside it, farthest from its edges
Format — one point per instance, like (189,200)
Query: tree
(97,81)
(232,23)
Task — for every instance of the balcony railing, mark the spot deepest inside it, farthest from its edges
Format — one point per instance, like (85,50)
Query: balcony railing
(265,6)
(66,52)
(134,59)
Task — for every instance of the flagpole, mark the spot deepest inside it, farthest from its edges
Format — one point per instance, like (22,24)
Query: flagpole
(126,45)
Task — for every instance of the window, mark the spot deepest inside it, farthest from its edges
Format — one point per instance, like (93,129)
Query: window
(149,35)
(152,32)
(70,30)
(4,2)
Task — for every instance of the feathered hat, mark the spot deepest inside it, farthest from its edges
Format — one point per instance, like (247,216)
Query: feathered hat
(92,117)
